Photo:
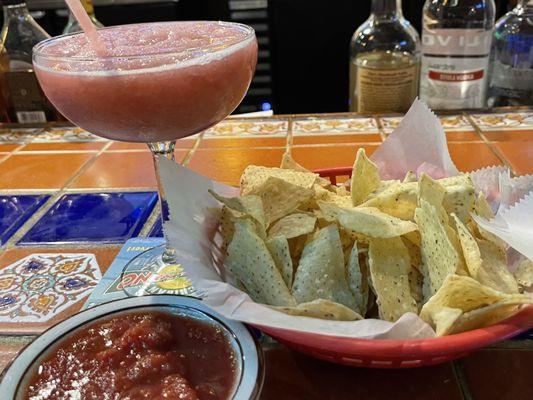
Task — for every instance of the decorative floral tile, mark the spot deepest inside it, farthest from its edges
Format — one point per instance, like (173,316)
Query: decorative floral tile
(15,211)
(314,125)
(248,127)
(67,134)
(93,217)
(40,286)
(514,120)
(19,135)
(449,122)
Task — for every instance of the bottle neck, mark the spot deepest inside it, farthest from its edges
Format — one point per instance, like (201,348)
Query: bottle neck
(387,9)
(16,11)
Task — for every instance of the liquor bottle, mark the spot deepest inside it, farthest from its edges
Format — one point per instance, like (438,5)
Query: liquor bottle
(456,37)
(73,25)
(511,79)
(22,98)
(384,61)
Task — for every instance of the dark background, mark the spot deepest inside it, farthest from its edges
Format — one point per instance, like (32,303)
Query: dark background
(303,57)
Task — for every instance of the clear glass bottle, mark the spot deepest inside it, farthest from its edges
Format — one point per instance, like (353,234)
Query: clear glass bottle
(511,79)
(73,25)
(384,61)
(456,37)
(22,98)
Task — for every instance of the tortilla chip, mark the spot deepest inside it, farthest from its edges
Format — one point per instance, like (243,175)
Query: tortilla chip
(438,253)
(482,207)
(281,198)
(444,318)
(485,316)
(368,221)
(431,191)
(321,309)
(460,196)
(524,273)
(466,294)
(410,176)
(254,177)
(250,263)
(342,191)
(389,265)
(279,250)
(287,162)
(470,248)
(414,251)
(398,200)
(250,205)
(494,271)
(293,225)
(416,281)
(321,272)
(331,197)
(357,280)
(365,178)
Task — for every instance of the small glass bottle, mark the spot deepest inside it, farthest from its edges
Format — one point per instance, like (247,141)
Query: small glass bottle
(511,81)
(384,61)
(456,36)
(73,25)
(22,98)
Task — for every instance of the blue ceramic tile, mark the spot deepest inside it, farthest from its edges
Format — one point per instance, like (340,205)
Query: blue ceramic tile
(93,217)
(15,210)
(157,229)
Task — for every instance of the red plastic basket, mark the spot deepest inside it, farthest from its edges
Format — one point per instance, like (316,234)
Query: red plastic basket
(386,353)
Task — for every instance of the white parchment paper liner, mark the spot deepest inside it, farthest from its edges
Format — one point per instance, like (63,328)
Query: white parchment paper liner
(417,144)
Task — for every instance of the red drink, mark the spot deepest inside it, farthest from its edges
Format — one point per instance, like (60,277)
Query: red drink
(158,82)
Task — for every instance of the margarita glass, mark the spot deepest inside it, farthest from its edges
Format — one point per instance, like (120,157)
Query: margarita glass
(152,83)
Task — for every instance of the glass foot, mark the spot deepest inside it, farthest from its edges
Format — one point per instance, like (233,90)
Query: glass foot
(156,271)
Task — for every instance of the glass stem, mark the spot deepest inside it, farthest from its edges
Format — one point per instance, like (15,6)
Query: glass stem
(165,149)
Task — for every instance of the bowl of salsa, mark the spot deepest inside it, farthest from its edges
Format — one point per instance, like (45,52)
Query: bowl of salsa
(152,347)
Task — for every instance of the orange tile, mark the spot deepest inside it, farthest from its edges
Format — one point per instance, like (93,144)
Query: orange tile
(64,146)
(471,156)
(8,147)
(335,138)
(328,156)
(180,144)
(40,171)
(226,165)
(120,170)
(245,141)
(462,136)
(519,155)
(9,350)
(508,135)
(104,257)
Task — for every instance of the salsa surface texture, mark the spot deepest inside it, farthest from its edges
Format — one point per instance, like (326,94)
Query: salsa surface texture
(140,355)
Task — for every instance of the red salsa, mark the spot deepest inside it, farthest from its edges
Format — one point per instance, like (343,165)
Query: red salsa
(143,355)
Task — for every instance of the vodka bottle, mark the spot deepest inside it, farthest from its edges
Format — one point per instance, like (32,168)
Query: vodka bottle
(511,80)
(456,38)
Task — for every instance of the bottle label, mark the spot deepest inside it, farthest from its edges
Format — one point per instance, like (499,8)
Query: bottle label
(25,96)
(454,68)
(379,90)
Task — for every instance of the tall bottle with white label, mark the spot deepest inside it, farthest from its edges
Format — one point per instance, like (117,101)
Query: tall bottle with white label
(22,99)
(384,61)
(456,39)
(511,78)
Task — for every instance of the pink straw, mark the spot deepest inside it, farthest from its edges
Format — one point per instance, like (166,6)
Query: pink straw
(86,24)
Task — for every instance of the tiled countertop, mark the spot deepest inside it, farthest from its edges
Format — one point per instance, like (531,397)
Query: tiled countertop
(68,200)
